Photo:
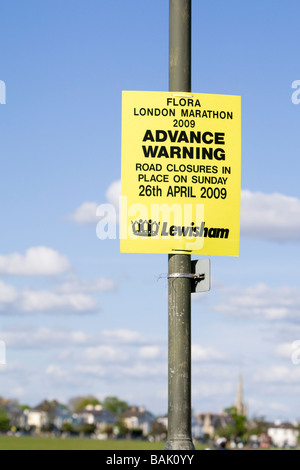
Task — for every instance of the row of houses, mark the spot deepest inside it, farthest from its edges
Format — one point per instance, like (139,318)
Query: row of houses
(55,416)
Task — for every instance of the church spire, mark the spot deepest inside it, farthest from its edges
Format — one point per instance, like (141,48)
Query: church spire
(239,404)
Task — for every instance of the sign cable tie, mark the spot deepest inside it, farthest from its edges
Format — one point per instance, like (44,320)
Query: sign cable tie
(198,277)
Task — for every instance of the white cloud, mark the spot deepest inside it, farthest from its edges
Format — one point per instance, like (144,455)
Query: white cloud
(89,212)
(123,336)
(94,370)
(284,350)
(262,302)
(56,372)
(113,193)
(104,353)
(98,285)
(8,294)
(43,301)
(208,388)
(279,374)
(27,337)
(270,216)
(85,213)
(277,406)
(141,370)
(289,351)
(38,260)
(151,352)
(205,354)
(284,332)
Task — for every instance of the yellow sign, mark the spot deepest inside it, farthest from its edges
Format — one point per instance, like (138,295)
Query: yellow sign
(181,173)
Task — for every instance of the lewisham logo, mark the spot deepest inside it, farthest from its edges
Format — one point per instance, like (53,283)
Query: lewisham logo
(2,92)
(149,228)
(144,228)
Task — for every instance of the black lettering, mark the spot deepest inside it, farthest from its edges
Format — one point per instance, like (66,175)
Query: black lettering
(205,139)
(219,154)
(219,138)
(195,137)
(173,136)
(207,152)
(183,137)
(161,136)
(163,152)
(175,152)
(150,151)
(148,136)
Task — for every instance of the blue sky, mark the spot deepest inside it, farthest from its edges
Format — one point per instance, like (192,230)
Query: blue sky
(78,317)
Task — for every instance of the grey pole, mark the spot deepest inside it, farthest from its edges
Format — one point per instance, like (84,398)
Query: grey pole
(179,296)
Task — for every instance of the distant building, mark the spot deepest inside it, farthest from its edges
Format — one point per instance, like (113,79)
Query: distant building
(51,414)
(197,427)
(163,420)
(209,422)
(95,414)
(138,418)
(16,416)
(283,434)
(37,418)
(241,407)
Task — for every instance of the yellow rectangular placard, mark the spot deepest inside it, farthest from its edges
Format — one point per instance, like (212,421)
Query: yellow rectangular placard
(181,173)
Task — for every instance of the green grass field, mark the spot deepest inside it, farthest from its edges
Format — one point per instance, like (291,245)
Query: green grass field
(42,443)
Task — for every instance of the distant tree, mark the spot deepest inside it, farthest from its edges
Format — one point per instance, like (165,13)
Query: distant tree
(229,431)
(136,433)
(73,402)
(24,407)
(87,428)
(115,405)
(4,421)
(79,403)
(3,401)
(108,429)
(69,427)
(239,422)
(237,428)
(120,428)
(258,426)
(48,427)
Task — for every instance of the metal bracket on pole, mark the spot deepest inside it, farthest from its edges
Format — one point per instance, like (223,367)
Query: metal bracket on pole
(197,276)
(200,275)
